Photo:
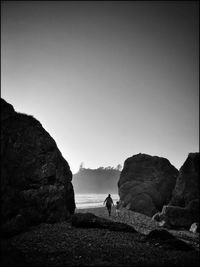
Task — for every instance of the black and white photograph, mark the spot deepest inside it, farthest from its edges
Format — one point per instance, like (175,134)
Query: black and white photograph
(100,134)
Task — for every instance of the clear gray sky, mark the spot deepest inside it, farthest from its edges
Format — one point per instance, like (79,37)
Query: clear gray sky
(107,80)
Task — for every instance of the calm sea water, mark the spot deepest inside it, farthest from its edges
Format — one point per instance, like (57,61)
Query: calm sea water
(92,200)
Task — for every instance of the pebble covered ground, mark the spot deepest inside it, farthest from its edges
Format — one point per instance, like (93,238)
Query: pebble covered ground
(142,223)
(60,244)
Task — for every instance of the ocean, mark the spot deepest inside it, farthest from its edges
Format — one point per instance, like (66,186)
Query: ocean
(84,201)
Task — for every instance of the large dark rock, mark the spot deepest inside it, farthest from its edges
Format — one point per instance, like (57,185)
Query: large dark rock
(35,179)
(89,220)
(183,209)
(161,237)
(187,186)
(178,217)
(146,183)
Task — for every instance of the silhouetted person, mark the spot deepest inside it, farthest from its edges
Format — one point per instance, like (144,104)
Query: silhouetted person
(109,203)
(117,208)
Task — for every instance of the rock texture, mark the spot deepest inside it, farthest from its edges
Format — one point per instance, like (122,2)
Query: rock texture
(146,183)
(177,217)
(163,238)
(187,185)
(35,178)
(183,209)
(89,220)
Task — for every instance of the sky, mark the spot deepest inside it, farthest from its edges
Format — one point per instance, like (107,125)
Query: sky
(107,80)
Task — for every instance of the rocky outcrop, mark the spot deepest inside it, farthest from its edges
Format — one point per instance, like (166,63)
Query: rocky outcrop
(183,209)
(187,185)
(163,238)
(89,220)
(177,217)
(146,183)
(35,178)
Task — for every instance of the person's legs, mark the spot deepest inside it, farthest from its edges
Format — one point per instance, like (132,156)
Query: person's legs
(109,209)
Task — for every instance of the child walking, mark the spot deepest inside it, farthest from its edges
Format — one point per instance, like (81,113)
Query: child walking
(117,209)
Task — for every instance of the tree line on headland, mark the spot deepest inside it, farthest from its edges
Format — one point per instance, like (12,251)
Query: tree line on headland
(101,180)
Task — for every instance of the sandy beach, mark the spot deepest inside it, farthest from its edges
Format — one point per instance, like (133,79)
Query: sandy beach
(61,244)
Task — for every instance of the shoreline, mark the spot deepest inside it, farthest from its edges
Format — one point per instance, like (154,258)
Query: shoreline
(89,207)
(87,201)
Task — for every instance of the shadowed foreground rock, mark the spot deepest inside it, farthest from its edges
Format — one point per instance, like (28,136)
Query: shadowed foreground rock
(161,237)
(159,234)
(89,220)
(35,179)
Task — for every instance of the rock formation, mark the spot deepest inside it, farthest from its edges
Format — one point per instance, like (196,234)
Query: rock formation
(35,179)
(162,238)
(183,209)
(89,220)
(146,183)
(187,185)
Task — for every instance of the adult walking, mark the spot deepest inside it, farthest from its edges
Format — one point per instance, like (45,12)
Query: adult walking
(109,203)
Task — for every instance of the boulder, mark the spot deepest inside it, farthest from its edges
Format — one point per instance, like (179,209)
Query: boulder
(177,244)
(178,217)
(183,208)
(13,226)
(187,184)
(35,178)
(89,220)
(161,237)
(146,183)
